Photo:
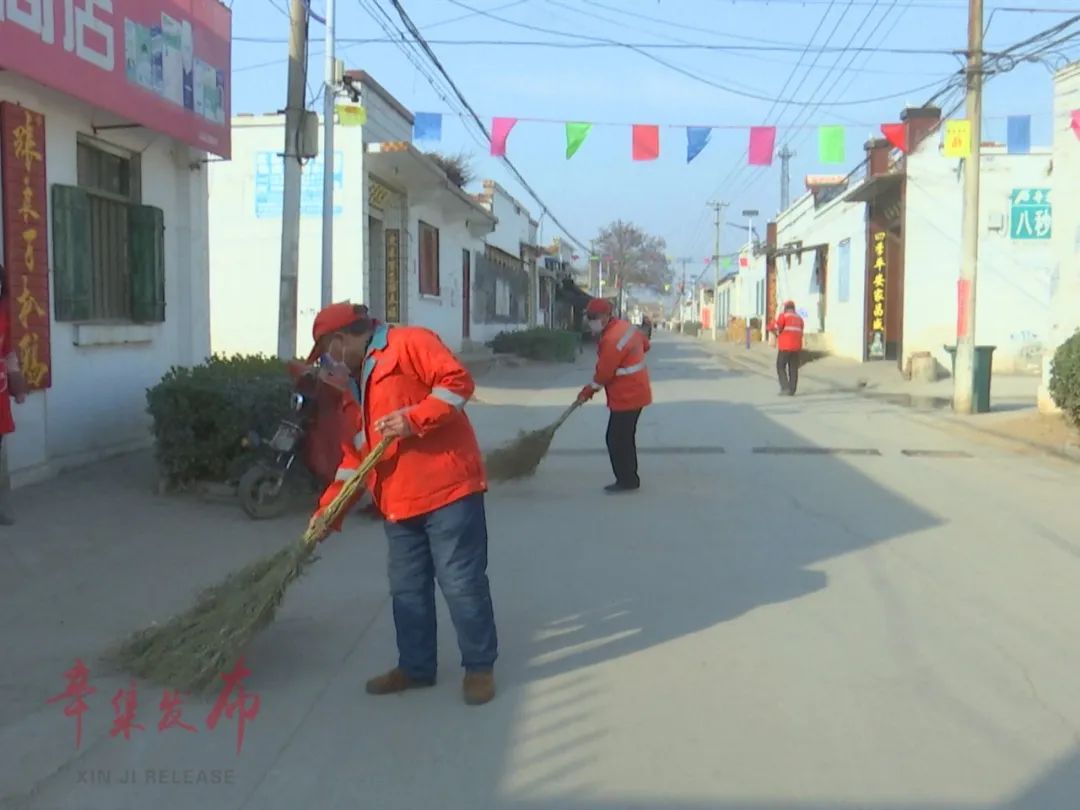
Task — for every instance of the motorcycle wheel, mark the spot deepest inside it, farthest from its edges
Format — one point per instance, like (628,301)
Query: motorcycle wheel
(263,493)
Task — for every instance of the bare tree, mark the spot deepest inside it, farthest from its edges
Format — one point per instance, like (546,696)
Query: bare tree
(633,256)
(456,167)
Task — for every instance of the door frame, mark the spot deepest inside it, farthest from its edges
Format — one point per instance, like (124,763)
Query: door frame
(466,294)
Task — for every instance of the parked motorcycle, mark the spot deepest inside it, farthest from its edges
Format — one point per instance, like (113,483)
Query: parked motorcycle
(304,453)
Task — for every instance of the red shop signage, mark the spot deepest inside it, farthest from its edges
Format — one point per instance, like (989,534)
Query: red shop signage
(164,64)
(24,213)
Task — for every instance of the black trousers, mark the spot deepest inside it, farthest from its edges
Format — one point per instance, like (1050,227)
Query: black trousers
(622,447)
(787,370)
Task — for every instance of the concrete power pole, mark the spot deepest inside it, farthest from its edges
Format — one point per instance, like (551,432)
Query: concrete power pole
(290,204)
(718,207)
(964,378)
(329,112)
(785,177)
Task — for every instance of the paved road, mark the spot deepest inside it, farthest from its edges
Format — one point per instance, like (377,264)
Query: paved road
(801,610)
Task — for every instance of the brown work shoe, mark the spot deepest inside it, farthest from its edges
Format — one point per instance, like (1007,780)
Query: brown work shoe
(396,681)
(478,687)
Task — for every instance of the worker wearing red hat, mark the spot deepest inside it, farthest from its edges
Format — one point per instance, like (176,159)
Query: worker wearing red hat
(622,373)
(405,384)
(789,327)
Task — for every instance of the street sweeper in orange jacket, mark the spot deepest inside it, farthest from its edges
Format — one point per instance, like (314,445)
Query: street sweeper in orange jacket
(622,373)
(404,383)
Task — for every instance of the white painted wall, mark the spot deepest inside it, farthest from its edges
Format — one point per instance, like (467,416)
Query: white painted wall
(1065,304)
(245,249)
(97,405)
(831,225)
(1014,283)
(513,229)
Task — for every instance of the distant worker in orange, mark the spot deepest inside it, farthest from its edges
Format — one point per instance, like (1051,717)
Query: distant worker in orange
(789,342)
(621,372)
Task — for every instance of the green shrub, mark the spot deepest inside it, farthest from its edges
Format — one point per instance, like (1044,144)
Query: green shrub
(539,344)
(1065,378)
(201,414)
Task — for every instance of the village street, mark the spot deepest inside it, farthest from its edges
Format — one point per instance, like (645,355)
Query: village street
(813,603)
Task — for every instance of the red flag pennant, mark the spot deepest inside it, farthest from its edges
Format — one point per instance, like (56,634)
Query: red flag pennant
(1076,122)
(896,134)
(646,142)
(762,144)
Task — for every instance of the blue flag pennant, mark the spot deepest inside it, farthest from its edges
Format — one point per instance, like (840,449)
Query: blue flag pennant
(427,127)
(1019,135)
(697,138)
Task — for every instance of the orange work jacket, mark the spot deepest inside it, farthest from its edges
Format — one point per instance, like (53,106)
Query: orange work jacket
(620,366)
(789,332)
(409,369)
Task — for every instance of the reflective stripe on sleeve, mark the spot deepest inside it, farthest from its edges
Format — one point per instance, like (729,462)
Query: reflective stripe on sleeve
(628,370)
(449,397)
(595,386)
(344,473)
(359,440)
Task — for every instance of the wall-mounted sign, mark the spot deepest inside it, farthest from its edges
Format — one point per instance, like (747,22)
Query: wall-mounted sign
(1030,214)
(163,64)
(393,275)
(377,195)
(26,240)
(877,296)
(270,185)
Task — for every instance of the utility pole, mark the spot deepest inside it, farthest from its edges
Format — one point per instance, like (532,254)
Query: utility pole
(290,204)
(329,113)
(785,177)
(964,376)
(718,207)
(682,289)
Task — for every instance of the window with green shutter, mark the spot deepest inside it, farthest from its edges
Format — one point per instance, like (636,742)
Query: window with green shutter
(108,250)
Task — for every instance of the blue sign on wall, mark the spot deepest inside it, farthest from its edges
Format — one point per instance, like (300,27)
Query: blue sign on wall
(270,185)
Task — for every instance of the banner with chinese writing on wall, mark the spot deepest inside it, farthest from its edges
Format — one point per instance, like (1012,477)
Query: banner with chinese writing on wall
(163,64)
(878,269)
(26,239)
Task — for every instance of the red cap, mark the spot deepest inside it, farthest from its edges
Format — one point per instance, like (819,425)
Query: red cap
(597,307)
(331,319)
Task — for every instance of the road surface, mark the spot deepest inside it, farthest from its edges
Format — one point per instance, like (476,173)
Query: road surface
(819,602)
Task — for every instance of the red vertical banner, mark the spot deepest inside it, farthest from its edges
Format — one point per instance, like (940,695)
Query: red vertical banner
(24,214)
(963,317)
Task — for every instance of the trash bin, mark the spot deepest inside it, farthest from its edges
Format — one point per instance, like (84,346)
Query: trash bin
(984,361)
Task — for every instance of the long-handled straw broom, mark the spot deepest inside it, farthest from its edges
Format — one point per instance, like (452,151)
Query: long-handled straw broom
(190,651)
(521,457)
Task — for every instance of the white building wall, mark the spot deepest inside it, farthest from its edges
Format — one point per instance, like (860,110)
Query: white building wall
(513,229)
(1064,317)
(442,313)
(1015,276)
(833,224)
(97,405)
(245,247)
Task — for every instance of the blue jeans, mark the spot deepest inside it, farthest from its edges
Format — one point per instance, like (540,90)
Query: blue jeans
(448,544)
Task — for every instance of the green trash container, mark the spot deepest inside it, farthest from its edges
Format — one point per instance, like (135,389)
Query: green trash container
(984,361)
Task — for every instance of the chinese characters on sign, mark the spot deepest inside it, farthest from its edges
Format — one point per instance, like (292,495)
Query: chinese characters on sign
(233,702)
(393,275)
(24,205)
(877,296)
(138,59)
(1030,214)
(270,185)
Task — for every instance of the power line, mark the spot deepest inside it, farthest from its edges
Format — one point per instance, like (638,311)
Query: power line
(411,26)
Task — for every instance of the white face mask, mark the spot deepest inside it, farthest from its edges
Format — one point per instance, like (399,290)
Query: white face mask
(596,327)
(335,365)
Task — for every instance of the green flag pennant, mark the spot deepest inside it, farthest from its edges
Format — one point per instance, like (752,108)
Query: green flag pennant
(575,137)
(831,144)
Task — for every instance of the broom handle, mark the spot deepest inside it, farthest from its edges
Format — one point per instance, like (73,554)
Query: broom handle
(566,415)
(348,490)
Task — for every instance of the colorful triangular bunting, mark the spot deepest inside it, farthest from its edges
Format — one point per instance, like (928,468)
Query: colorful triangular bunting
(896,134)
(762,144)
(697,138)
(500,131)
(576,133)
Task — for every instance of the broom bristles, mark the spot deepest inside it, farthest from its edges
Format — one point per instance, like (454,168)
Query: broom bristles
(521,457)
(191,650)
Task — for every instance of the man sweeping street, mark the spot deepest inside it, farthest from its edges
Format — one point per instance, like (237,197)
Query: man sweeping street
(621,372)
(789,341)
(403,383)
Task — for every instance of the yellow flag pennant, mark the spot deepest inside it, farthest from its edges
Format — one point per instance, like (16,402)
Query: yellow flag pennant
(958,138)
(351,115)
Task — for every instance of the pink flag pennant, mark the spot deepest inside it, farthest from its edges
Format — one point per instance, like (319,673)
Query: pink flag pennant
(762,144)
(645,142)
(896,134)
(500,131)
(1076,122)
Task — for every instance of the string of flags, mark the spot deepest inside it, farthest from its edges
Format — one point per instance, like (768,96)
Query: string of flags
(761,146)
